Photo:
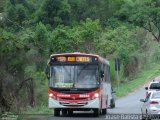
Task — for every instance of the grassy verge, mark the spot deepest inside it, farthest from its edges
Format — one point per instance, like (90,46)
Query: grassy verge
(42,109)
(41,112)
(141,78)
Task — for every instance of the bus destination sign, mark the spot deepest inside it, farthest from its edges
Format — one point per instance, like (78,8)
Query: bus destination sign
(71,59)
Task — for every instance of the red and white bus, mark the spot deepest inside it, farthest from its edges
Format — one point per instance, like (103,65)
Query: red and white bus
(78,82)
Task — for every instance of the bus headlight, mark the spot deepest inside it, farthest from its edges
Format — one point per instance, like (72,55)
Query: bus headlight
(96,95)
(50,95)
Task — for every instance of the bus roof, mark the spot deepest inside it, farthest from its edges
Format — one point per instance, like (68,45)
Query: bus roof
(82,54)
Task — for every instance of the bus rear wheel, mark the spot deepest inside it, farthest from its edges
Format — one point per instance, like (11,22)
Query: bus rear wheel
(56,112)
(96,112)
(104,111)
(112,105)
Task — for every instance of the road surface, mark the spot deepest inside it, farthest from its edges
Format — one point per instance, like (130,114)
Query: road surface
(130,104)
(127,105)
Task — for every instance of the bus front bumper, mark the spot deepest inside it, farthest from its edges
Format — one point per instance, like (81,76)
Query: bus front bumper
(95,103)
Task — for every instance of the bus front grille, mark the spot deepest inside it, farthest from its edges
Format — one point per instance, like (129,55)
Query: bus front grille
(74,98)
(72,104)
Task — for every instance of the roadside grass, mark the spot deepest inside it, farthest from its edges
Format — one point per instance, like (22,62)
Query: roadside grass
(41,109)
(40,112)
(138,81)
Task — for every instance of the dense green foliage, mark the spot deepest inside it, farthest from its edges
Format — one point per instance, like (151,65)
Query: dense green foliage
(146,15)
(30,30)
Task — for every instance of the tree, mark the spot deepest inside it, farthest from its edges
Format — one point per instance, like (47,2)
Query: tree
(77,38)
(2,3)
(94,9)
(41,39)
(146,15)
(18,12)
(54,12)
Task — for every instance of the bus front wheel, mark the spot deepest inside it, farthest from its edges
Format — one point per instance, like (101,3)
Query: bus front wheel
(70,112)
(56,112)
(64,112)
(96,112)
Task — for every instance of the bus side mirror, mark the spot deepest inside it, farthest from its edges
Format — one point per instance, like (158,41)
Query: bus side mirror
(47,72)
(113,91)
(146,88)
(102,74)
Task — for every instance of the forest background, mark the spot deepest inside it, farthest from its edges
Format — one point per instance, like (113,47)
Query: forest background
(30,30)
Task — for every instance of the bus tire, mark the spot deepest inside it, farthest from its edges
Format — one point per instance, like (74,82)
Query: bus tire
(70,112)
(56,112)
(112,105)
(104,111)
(64,112)
(96,112)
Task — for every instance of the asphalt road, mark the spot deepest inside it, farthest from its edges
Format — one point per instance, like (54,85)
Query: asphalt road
(130,104)
(127,105)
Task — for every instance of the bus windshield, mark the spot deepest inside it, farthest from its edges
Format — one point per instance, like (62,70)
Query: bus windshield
(74,76)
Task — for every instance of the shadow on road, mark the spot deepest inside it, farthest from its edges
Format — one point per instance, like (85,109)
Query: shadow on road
(78,115)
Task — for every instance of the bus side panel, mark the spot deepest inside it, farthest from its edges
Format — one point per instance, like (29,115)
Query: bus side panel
(106,95)
(108,91)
